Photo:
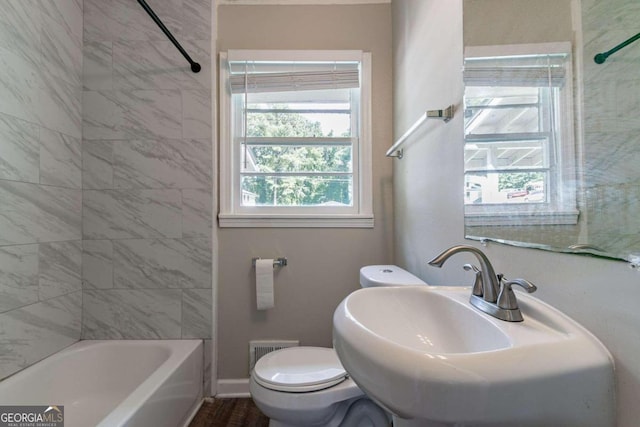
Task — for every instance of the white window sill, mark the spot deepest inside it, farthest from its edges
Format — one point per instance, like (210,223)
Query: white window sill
(295,221)
(568,217)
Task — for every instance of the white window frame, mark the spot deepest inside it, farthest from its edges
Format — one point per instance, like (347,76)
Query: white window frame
(233,214)
(562,210)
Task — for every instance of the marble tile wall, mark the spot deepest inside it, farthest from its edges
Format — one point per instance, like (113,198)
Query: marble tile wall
(611,126)
(146,172)
(40,179)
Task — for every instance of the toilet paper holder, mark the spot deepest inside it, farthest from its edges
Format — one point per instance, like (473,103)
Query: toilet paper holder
(278,262)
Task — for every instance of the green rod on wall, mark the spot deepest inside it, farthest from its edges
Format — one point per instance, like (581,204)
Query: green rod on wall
(601,57)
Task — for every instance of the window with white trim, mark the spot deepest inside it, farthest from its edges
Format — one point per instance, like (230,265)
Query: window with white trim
(519,135)
(295,142)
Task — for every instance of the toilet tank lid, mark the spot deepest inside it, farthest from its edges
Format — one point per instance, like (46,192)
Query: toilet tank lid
(299,369)
(387,275)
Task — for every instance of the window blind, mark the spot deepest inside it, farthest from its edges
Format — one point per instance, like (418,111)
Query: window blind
(256,81)
(536,71)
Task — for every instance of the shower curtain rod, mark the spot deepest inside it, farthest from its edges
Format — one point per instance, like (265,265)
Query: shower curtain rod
(601,57)
(195,67)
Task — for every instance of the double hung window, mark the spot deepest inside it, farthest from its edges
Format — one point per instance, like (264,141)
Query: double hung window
(295,139)
(519,145)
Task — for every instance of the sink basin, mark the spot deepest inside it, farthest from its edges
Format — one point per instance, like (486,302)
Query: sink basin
(430,358)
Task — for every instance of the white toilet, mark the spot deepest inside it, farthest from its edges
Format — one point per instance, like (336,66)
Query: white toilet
(307,386)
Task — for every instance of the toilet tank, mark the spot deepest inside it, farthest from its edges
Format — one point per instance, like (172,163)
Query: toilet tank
(387,275)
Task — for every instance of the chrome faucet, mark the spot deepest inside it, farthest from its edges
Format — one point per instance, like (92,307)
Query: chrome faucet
(490,284)
(491,293)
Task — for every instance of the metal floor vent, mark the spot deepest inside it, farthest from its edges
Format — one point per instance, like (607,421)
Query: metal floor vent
(257,349)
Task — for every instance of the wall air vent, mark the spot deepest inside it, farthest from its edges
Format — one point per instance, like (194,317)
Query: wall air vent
(257,349)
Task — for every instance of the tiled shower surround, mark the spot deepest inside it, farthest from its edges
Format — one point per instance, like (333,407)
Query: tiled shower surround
(40,179)
(105,175)
(146,172)
(611,126)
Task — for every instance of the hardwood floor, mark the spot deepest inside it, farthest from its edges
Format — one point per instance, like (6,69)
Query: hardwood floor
(229,413)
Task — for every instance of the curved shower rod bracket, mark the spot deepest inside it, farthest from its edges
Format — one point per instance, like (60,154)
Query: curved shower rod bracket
(601,57)
(195,67)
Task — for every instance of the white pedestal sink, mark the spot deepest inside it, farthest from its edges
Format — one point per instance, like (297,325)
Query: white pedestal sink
(431,359)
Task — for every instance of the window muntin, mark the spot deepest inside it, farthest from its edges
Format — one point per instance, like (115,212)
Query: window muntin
(298,138)
(298,149)
(518,133)
(509,143)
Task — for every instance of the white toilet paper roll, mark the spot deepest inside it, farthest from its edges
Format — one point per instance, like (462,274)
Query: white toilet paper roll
(264,284)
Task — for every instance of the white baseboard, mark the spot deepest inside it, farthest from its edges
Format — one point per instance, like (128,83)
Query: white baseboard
(233,388)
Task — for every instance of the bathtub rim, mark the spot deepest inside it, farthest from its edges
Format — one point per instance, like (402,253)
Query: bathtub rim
(179,351)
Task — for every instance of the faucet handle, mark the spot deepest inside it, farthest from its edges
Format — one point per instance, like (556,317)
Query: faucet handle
(477,284)
(507,299)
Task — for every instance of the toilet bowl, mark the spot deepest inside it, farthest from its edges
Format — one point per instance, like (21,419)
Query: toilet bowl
(307,386)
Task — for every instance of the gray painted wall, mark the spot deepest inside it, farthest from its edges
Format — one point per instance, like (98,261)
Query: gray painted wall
(600,294)
(323,263)
(40,179)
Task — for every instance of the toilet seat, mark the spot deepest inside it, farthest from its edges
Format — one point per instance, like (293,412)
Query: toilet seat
(299,369)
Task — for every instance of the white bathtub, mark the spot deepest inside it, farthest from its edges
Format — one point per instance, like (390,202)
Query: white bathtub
(115,383)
